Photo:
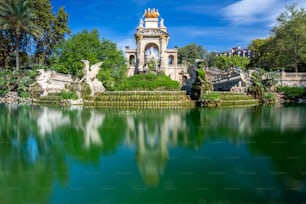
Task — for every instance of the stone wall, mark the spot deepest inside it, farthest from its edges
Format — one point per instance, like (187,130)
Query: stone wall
(292,79)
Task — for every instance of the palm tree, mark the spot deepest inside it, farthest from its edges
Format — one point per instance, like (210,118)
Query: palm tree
(17,16)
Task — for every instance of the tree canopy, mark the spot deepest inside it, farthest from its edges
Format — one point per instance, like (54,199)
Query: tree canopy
(34,26)
(88,46)
(18,17)
(290,37)
(224,62)
(191,52)
(286,47)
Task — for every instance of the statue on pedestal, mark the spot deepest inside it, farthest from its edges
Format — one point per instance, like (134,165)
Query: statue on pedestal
(90,75)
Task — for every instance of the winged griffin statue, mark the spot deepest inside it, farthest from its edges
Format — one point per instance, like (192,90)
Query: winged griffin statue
(90,77)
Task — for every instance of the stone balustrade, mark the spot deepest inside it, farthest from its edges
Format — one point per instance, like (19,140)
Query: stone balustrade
(293,79)
(294,76)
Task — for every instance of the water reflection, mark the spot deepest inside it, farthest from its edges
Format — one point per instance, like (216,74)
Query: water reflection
(38,144)
(152,135)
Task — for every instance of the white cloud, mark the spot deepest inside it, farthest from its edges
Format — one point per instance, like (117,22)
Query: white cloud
(250,11)
(246,12)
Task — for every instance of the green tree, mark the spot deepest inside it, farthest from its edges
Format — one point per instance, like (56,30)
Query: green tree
(241,62)
(54,28)
(203,54)
(113,68)
(6,47)
(212,59)
(16,15)
(224,62)
(290,38)
(265,54)
(43,10)
(87,45)
(60,26)
(191,52)
(68,55)
(256,47)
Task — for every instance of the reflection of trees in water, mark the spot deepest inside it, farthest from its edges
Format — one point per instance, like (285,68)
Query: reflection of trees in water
(38,139)
(35,142)
(284,143)
(28,164)
(276,133)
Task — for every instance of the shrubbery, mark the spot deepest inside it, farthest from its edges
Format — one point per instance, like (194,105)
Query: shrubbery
(292,92)
(268,98)
(147,82)
(69,95)
(18,81)
(211,96)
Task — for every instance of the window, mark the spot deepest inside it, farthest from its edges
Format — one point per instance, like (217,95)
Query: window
(170,60)
(132,60)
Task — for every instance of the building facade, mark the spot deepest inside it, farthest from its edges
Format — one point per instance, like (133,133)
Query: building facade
(152,52)
(238,51)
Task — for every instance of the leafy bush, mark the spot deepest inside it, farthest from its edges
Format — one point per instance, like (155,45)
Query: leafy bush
(292,92)
(19,81)
(87,45)
(268,97)
(147,82)
(211,96)
(24,94)
(69,95)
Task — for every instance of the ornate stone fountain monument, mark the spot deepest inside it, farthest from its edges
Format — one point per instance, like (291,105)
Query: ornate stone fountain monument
(151,53)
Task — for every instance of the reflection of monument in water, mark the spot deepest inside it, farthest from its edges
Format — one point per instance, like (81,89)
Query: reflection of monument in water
(52,119)
(152,136)
(152,140)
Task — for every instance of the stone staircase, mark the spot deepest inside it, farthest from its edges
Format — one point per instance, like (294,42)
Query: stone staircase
(229,99)
(237,99)
(143,99)
(127,99)
(51,99)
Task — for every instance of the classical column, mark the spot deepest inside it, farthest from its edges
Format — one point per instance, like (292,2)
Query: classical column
(162,53)
(140,52)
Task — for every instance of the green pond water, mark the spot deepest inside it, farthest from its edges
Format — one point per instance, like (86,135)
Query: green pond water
(84,155)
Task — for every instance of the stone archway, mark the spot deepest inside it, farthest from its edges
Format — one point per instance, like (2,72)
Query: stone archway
(151,52)
(152,57)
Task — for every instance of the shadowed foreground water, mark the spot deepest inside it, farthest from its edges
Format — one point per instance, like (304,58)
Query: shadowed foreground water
(79,155)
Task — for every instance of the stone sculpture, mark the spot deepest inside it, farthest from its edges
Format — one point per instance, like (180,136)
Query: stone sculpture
(90,74)
(195,85)
(52,82)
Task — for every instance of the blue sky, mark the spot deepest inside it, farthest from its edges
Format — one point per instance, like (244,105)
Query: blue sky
(217,25)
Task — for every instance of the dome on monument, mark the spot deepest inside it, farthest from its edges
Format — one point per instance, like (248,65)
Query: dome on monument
(151,13)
